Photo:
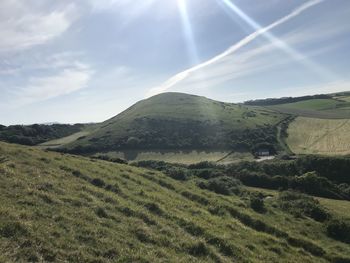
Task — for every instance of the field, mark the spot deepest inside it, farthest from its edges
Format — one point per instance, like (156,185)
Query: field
(61,208)
(319,136)
(184,157)
(64,140)
(337,108)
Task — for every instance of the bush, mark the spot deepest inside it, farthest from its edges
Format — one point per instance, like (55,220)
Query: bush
(257,203)
(98,182)
(101,212)
(177,173)
(110,159)
(302,205)
(223,185)
(339,230)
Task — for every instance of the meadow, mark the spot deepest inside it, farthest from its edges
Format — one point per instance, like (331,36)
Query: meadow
(333,108)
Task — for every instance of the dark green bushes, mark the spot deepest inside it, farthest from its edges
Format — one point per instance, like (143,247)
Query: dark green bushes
(257,203)
(222,185)
(177,173)
(110,159)
(339,230)
(100,212)
(98,182)
(36,134)
(302,205)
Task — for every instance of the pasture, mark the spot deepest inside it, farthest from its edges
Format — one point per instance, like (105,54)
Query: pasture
(319,136)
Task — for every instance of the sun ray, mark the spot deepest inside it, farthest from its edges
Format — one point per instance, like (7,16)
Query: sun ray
(293,53)
(188,32)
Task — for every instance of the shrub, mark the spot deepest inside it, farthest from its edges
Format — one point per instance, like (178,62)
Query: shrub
(98,182)
(177,173)
(222,185)
(302,205)
(110,159)
(339,230)
(257,203)
(101,212)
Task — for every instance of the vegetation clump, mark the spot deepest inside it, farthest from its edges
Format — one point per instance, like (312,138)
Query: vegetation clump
(224,185)
(339,229)
(257,203)
(37,133)
(12,230)
(302,205)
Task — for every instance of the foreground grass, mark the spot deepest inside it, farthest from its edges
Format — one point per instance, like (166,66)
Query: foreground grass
(56,208)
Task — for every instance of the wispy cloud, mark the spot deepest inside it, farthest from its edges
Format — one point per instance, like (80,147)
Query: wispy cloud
(22,27)
(171,82)
(43,88)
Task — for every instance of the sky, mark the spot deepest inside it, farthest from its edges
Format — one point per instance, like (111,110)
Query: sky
(76,61)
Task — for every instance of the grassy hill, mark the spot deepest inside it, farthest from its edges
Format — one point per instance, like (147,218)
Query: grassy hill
(176,121)
(56,208)
(182,128)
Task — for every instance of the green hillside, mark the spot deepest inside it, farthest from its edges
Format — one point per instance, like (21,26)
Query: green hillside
(61,208)
(333,108)
(175,121)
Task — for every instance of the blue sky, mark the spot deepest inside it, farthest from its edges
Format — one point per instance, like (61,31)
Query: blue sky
(87,60)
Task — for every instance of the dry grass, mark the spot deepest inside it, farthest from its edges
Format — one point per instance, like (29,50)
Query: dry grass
(184,157)
(319,136)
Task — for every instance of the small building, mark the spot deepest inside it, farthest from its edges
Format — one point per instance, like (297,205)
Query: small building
(263,152)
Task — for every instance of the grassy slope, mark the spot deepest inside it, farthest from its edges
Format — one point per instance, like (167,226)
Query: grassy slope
(178,109)
(71,138)
(319,136)
(52,210)
(337,108)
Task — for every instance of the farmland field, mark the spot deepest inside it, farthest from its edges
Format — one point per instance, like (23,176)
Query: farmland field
(319,136)
(64,140)
(317,108)
(185,157)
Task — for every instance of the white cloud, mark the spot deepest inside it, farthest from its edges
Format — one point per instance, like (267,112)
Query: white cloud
(23,25)
(63,83)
